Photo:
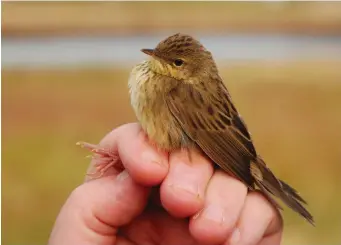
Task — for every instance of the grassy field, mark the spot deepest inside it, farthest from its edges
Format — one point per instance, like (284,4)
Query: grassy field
(89,18)
(292,110)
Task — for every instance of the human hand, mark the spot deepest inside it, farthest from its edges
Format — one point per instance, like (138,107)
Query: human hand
(193,205)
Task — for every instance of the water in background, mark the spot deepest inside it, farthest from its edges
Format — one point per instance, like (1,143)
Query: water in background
(56,51)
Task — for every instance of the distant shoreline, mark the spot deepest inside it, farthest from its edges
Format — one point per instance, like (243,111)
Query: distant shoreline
(132,31)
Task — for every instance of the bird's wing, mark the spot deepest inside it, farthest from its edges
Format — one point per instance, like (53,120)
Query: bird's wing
(210,119)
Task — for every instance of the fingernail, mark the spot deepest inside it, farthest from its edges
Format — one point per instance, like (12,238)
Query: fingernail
(122,176)
(149,156)
(188,187)
(235,237)
(214,213)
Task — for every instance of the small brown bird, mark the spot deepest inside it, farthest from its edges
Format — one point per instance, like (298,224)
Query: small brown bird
(181,101)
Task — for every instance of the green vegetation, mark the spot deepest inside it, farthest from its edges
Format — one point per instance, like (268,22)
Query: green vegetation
(292,110)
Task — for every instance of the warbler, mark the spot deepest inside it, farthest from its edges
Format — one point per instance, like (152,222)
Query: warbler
(181,102)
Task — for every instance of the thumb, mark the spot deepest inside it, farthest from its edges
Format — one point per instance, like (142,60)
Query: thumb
(95,210)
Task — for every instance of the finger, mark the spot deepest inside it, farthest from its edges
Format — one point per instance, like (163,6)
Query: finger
(95,210)
(260,223)
(272,239)
(225,197)
(182,192)
(145,164)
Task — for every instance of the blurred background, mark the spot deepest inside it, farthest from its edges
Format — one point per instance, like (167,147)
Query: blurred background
(65,67)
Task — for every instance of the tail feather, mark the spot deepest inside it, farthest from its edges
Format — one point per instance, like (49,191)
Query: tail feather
(292,192)
(270,185)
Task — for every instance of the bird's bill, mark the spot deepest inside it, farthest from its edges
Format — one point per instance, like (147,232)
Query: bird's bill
(148,51)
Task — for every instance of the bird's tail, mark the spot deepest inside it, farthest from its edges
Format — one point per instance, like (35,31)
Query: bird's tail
(270,185)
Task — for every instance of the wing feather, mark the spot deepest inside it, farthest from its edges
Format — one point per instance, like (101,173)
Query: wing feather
(210,119)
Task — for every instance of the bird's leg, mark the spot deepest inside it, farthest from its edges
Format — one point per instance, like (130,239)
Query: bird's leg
(104,159)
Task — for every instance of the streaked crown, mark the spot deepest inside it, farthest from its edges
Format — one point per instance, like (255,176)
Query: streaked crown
(180,44)
(181,56)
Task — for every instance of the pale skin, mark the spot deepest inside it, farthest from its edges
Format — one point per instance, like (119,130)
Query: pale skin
(198,205)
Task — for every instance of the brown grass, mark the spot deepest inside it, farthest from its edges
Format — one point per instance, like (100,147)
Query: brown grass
(27,18)
(292,110)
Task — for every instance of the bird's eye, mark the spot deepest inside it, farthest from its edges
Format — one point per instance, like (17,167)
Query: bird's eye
(178,62)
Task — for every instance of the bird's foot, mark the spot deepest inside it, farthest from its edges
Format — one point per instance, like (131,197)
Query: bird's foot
(104,159)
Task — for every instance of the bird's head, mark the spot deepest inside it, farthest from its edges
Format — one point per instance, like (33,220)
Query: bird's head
(181,57)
